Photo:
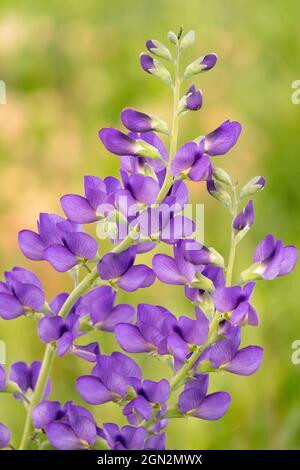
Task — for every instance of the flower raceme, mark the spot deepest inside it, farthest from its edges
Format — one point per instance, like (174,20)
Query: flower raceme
(151,188)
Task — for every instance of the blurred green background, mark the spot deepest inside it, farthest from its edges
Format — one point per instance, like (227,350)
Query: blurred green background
(70,67)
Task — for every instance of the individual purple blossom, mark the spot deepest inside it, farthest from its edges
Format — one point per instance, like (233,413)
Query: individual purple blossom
(194,401)
(271,259)
(26,377)
(136,121)
(149,393)
(70,427)
(126,438)
(226,355)
(84,209)
(186,333)
(235,301)
(245,218)
(120,269)
(5,436)
(59,241)
(222,139)
(191,160)
(149,333)
(202,64)
(110,379)
(99,305)
(20,293)
(193,99)
(215,275)
(147,63)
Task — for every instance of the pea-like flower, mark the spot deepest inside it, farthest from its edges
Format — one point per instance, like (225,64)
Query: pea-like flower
(119,268)
(149,333)
(136,121)
(235,301)
(26,376)
(84,209)
(192,100)
(58,241)
(70,427)
(130,438)
(194,401)
(271,259)
(110,379)
(245,218)
(20,293)
(99,305)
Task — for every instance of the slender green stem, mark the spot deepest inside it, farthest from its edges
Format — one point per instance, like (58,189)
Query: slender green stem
(233,242)
(174,131)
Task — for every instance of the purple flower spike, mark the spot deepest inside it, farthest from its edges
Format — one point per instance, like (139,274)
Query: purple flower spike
(2,377)
(245,218)
(190,160)
(222,139)
(118,267)
(21,292)
(5,436)
(99,305)
(193,401)
(193,100)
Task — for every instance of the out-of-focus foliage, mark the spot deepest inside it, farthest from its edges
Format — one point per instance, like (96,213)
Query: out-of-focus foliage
(69,68)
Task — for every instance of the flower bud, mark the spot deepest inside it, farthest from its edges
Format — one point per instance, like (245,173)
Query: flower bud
(155,68)
(216,190)
(191,101)
(136,121)
(172,37)
(158,49)
(253,186)
(222,176)
(187,40)
(215,258)
(245,218)
(202,282)
(202,64)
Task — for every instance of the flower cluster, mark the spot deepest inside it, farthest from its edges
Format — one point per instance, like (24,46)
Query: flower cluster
(141,210)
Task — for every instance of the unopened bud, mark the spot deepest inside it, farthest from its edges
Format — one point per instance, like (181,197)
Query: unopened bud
(222,176)
(216,190)
(187,40)
(253,186)
(158,49)
(202,64)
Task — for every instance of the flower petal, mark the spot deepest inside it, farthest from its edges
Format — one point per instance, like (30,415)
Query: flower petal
(60,258)
(213,407)
(113,265)
(78,209)
(222,139)
(130,339)
(62,437)
(136,277)
(166,270)
(92,390)
(246,361)
(31,245)
(45,412)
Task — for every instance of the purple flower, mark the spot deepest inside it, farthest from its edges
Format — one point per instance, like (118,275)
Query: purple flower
(69,428)
(202,64)
(192,100)
(222,139)
(84,209)
(191,160)
(147,63)
(225,355)
(21,292)
(5,436)
(99,305)
(215,275)
(150,332)
(194,401)
(2,377)
(119,143)
(149,393)
(271,259)
(126,438)
(58,242)
(235,301)
(26,377)
(110,379)
(187,266)
(188,332)
(119,269)
(137,121)
(245,218)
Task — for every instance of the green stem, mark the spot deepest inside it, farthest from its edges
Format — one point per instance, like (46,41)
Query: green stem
(49,355)
(233,243)
(174,131)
